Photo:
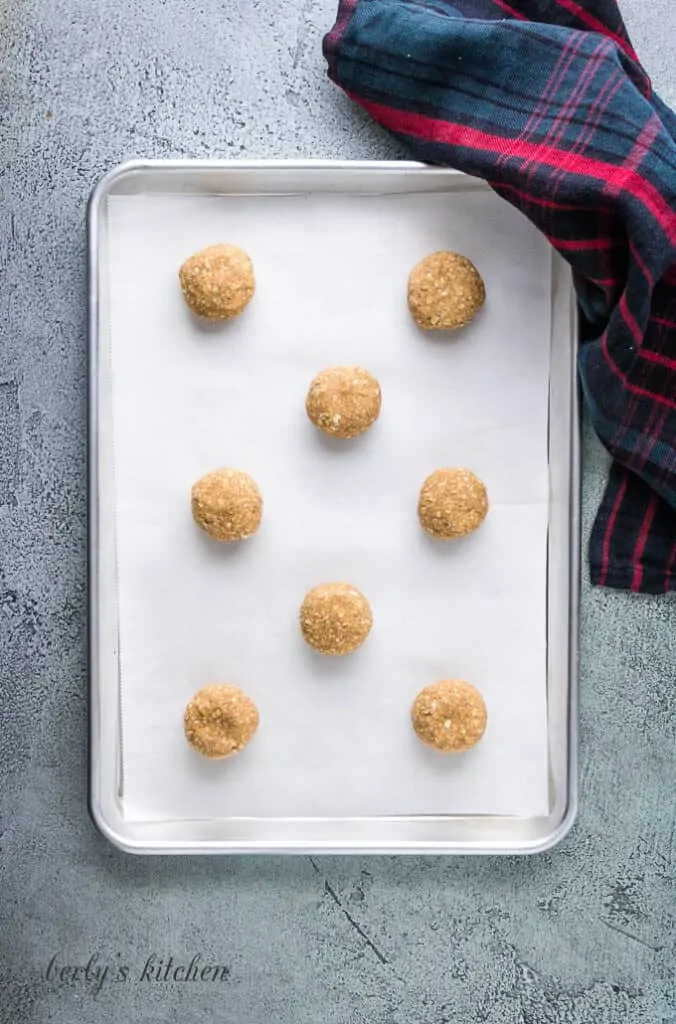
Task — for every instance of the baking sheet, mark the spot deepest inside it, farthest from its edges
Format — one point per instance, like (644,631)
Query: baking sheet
(335,736)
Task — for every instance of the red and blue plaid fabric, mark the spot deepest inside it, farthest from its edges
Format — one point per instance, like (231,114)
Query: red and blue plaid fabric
(547,101)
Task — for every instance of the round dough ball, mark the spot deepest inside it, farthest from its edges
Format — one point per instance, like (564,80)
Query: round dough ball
(217,282)
(220,720)
(445,291)
(227,504)
(335,618)
(343,401)
(452,503)
(449,716)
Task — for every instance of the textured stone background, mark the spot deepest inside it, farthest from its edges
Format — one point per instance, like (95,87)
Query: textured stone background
(584,935)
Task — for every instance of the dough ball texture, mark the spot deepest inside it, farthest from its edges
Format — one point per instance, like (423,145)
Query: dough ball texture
(449,716)
(452,503)
(445,291)
(220,720)
(227,504)
(217,282)
(335,618)
(343,401)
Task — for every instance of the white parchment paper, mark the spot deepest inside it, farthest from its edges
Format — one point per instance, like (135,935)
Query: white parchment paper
(335,735)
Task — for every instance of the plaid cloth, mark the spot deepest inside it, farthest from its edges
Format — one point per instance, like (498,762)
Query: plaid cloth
(547,101)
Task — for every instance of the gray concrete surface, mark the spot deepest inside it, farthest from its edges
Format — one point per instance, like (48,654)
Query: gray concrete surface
(584,935)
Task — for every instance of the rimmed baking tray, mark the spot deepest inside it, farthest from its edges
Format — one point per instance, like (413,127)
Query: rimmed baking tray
(320,832)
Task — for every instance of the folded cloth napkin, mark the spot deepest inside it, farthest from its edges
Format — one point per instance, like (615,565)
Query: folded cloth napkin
(547,101)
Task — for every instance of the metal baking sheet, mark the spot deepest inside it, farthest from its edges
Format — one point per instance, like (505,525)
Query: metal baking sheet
(362,785)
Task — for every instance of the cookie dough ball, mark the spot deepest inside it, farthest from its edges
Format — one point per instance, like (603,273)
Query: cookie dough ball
(445,291)
(217,282)
(220,720)
(335,618)
(343,401)
(227,504)
(449,716)
(452,503)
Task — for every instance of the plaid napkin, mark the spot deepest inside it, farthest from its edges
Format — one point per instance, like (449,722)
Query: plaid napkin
(547,101)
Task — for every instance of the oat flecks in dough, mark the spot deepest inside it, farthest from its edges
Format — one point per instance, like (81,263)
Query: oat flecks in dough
(343,401)
(220,720)
(449,716)
(445,292)
(335,618)
(452,503)
(227,504)
(217,282)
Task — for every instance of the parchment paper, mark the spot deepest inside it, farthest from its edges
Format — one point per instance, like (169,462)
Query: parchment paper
(335,735)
